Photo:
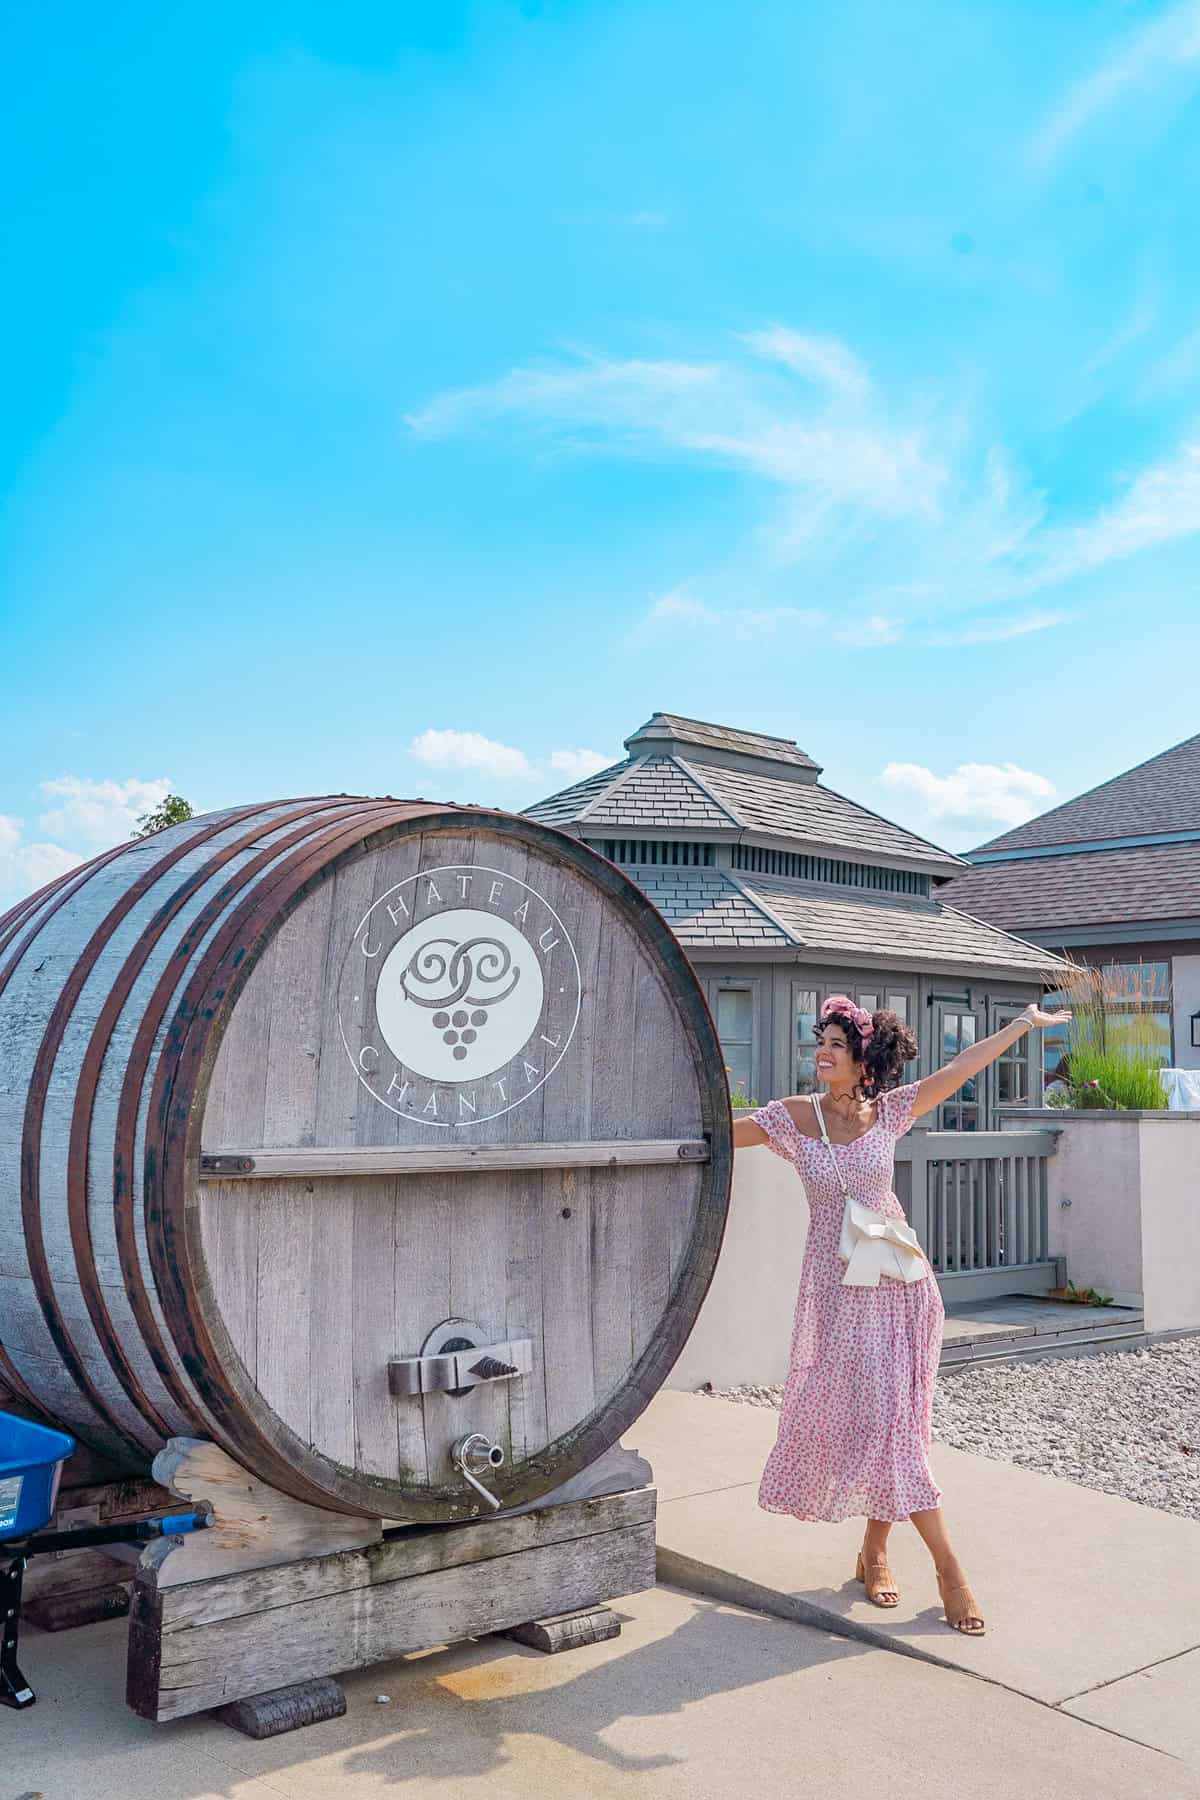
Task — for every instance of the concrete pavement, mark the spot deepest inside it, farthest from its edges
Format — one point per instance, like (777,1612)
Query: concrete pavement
(1092,1602)
(695,1701)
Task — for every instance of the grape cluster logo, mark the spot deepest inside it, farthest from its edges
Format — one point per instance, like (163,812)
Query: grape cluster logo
(459,995)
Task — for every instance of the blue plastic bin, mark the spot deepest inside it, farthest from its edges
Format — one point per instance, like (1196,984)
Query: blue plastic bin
(31,1460)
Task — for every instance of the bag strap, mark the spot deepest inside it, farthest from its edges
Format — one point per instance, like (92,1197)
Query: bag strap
(816,1100)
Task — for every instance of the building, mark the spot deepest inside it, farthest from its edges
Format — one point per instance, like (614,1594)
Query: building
(783,891)
(1111,878)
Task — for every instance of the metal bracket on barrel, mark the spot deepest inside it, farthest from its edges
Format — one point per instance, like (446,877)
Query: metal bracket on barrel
(457,1370)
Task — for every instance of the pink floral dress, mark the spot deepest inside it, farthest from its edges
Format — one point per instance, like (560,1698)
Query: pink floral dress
(857,1416)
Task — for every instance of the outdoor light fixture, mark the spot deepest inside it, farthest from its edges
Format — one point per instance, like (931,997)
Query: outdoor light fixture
(1196,1031)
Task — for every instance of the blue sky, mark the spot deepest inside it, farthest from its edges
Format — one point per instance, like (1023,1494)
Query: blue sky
(413,398)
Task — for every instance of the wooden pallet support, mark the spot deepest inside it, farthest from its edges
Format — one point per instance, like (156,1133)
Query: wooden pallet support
(285,1709)
(205,1643)
(253,1526)
(566,1631)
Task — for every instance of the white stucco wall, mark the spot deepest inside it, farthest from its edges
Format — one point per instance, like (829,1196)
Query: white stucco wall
(743,1332)
(1170,1212)
(1185,990)
(1133,1227)
(1097,1168)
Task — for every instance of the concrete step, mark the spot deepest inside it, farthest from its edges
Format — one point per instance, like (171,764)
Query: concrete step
(1022,1325)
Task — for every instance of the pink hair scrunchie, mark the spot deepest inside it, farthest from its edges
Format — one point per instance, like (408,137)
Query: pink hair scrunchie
(862,1020)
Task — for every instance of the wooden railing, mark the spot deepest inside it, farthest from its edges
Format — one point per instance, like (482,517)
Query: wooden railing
(978,1202)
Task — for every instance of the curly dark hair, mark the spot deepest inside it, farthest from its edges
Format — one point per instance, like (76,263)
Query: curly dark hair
(891,1045)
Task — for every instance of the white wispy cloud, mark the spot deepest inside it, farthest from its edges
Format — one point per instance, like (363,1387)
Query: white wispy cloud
(1004,791)
(472,751)
(1176,369)
(577,765)
(874,632)
(24,866)
(832,443)
(1137,324)
(823,359)
(98,813)
(1141,63)
(675,615)
(999,630)
(892,490)
(1160,505)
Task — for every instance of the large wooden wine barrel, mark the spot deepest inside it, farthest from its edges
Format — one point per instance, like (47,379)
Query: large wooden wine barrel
(337,1130)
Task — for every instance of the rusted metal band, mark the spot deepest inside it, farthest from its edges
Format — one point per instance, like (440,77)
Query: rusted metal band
(172,1145)
(317,824)
(60,891)
(89,1073)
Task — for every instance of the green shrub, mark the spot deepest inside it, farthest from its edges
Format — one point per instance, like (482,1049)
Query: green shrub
(1114,1045)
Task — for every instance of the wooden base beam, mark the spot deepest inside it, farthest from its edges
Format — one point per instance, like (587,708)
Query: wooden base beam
(196,1645)
(566,1631)
(284,1709)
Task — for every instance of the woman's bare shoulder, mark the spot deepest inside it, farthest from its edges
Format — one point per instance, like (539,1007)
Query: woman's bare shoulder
(802,1113)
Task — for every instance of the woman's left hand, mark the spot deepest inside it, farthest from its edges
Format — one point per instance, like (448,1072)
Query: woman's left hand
(1039,1019)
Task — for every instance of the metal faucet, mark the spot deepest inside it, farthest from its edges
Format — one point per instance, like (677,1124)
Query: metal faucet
(476,1453)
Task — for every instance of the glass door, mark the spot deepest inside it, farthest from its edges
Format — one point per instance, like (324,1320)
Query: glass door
(957,1030)
(1010,1078)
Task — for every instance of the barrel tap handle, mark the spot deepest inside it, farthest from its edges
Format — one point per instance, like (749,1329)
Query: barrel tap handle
(475,1452)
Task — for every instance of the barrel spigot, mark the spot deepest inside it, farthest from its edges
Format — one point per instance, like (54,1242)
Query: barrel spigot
(474,1454)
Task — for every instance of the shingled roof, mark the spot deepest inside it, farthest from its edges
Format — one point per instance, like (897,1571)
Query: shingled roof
(687,776)
(1125,854)
(1141,885)
(710,909)
(1158,796)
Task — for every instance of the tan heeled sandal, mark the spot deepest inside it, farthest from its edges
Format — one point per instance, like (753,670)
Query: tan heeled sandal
(880,1581)
(962,1609)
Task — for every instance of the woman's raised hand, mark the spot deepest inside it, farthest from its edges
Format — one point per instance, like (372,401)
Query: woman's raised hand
(1040,1019)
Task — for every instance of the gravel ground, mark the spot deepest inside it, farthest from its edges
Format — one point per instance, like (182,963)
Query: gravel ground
(1126,1422)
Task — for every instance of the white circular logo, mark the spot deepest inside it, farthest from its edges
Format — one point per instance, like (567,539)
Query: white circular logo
(458,995)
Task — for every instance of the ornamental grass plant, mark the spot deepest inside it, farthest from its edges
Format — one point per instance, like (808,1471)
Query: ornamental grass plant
(1114,1043)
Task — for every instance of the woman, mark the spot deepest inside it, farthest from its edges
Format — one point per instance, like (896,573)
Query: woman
(857,1415)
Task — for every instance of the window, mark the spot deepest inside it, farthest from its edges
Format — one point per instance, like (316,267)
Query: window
(1014,1068)
(868,1002)
(805,1007)
(735,1028)
(899,1005)
(1137,1014)
(958,1032)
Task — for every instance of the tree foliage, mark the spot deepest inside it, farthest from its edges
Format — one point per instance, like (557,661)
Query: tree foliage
(173,810)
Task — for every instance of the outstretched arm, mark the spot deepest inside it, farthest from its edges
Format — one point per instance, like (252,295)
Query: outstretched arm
(746,1132)
(939,1086)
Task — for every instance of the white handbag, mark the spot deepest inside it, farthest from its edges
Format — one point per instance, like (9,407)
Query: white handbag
(872,1244)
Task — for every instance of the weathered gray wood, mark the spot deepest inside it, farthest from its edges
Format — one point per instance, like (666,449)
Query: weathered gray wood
(66,1608)
(252,1526)
(402,1159)
(401,1556)
(262,1313)
(175,1671)
(566,1631)
(285,1709)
